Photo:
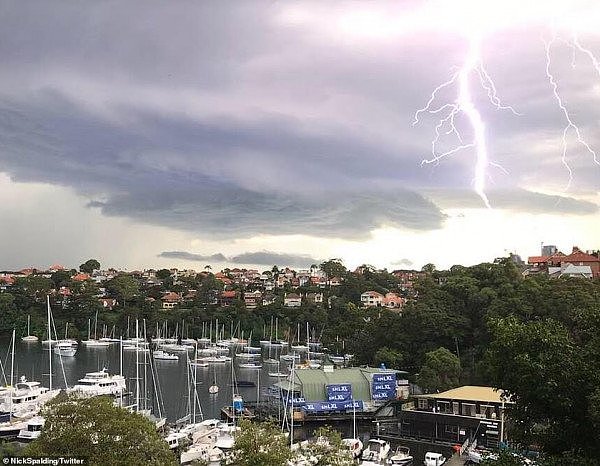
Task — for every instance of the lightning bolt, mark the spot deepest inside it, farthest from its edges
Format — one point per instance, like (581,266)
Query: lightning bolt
(570,125)
(463,105)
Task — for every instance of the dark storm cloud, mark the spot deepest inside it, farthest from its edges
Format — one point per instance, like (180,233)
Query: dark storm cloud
(189,256)
(219,117)
(256,258)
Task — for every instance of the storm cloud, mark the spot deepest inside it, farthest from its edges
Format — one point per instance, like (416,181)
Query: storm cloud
(232,119)
(255,258)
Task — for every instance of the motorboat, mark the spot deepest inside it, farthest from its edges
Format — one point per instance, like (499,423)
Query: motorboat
(160,355)
(249,365)
(100,383)
(434,459)
(354,446)
(401,457)
(25,398)
(32,430)
(376,452)
(279,375)
(64,348)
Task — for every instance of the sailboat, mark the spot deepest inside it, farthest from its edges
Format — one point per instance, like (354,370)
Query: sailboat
(29,338)
(95,343)
(354,444)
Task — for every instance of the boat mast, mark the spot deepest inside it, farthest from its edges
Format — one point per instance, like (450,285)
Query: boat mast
(12,365)
(49,338)
(137,366)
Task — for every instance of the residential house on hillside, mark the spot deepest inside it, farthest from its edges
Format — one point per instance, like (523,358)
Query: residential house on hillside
(252,299)
(170,299)
(228,297)
(314,298)
(292,300)
(371,299)
(392,301)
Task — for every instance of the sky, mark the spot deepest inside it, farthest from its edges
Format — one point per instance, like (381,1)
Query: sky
(156,134)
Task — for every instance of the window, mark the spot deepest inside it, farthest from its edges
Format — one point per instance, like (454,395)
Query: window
(423,404)
(455,408)
(468,409)
(451,429)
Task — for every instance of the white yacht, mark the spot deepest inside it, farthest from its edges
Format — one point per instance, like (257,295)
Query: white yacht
(25,398)
(354,446)
(64,348)
(32,430)
(100,383)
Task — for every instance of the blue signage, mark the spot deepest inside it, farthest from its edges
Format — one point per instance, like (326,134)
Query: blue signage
(339,392)
(384,386)
(326,406)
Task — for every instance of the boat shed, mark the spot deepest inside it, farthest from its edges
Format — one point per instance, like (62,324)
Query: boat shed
(311,384)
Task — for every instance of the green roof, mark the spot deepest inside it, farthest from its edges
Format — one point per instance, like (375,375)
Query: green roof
(312,383)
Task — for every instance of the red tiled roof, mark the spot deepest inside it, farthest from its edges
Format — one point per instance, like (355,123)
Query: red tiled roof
(80,277)
(579,256)
(171,297)
(537,259)
(228,294)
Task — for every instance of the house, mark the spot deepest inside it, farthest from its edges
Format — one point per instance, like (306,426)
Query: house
(314,298)
(392,301)
(555,263)
(282,280)
(228,297)
(108,303)
(292,300)
(252,299)
(334,281)
(190,295)
(80,277)
(580,258)
(170,300)
(371,299)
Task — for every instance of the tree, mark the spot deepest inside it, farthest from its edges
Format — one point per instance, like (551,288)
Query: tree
(428,268)
(333,268)
(440,371)
(391,358)
(163,274)
(124,287)
(550,372)
(260,445)
(60,277)
(89,266)
(95,429)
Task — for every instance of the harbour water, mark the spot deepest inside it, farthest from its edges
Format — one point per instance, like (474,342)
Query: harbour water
(31,361)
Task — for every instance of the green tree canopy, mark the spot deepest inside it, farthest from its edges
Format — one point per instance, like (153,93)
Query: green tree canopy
(89,266)
(163,274)
(123,286)
(440,371)
(260,445)
(96,429)
(333,268)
